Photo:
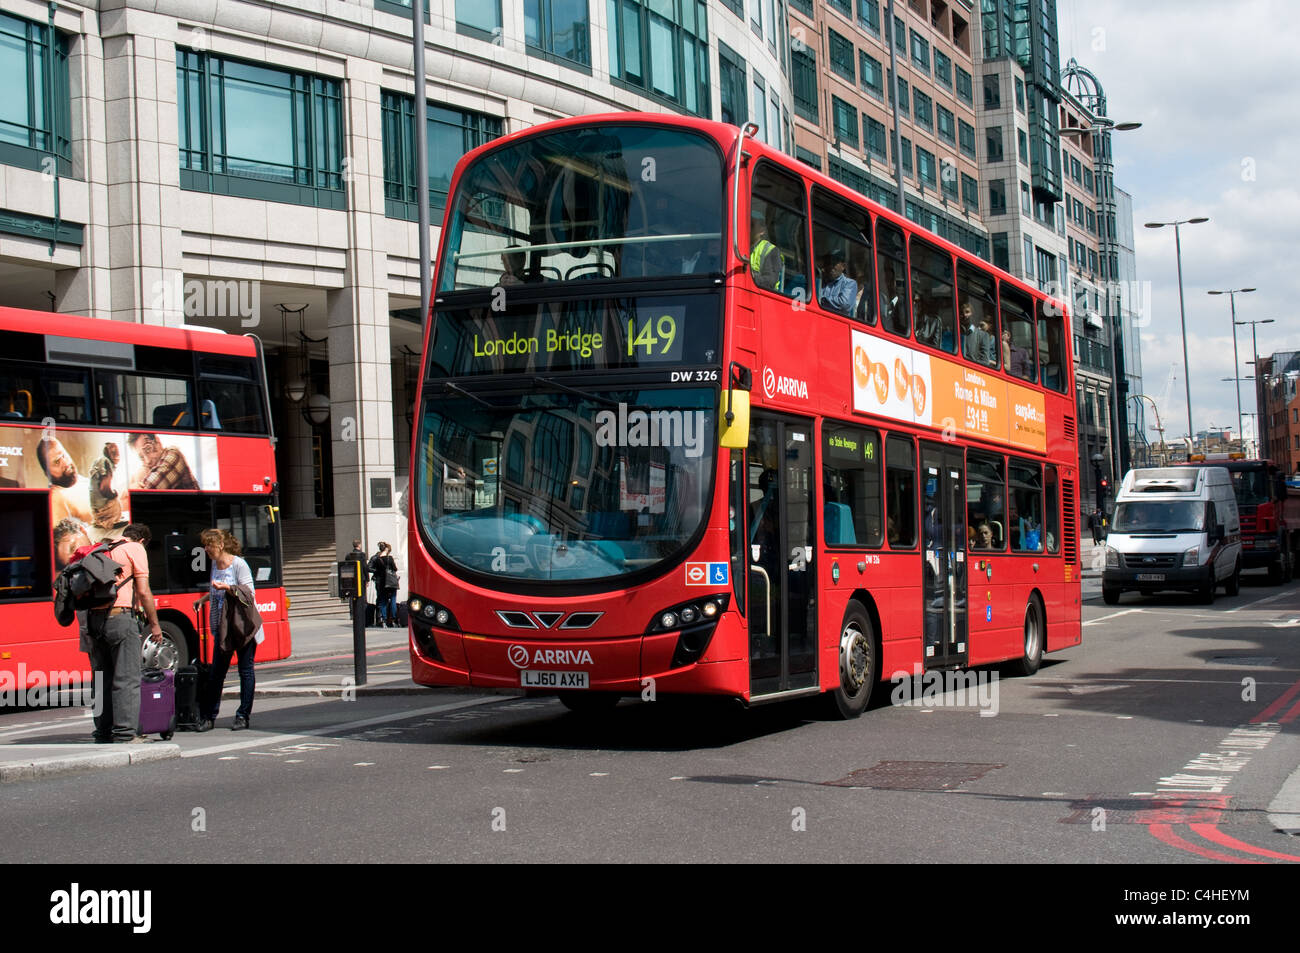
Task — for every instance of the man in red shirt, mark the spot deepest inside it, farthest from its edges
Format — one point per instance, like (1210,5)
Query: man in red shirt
(113,642)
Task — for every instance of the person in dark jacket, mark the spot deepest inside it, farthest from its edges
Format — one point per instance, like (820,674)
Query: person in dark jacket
(230,636)
(384,569)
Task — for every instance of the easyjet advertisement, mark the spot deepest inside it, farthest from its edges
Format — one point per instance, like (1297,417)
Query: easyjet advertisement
(892,380)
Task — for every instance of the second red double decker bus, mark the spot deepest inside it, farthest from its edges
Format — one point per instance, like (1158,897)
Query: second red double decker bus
(696,416)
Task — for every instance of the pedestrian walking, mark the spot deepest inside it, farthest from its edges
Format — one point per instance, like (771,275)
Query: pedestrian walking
(1096,523)
(387,582)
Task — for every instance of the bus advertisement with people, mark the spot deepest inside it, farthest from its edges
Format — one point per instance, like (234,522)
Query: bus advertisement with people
(695,418)
(105,423)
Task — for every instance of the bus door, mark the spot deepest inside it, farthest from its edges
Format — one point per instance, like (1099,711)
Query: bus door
(782,578)
(943,568)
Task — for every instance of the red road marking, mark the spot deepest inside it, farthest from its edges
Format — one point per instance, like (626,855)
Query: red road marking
(1291,715)
(1278,705)
(1165,832)
(1210,832)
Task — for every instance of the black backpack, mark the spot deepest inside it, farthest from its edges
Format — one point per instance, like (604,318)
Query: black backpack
(87,583)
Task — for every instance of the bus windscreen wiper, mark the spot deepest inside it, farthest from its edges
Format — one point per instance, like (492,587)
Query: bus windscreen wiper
(585,395)
(497,408)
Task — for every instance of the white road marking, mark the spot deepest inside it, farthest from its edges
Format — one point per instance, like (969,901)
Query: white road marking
(293,761)
(439,767)
(336,729)
(1113,615)
(599,774)
(1260,602)
(362,764)
(1124,717)
(514,771)
(33,727)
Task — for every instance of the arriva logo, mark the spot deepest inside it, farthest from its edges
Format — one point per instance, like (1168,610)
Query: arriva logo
(785,386)
(518,656)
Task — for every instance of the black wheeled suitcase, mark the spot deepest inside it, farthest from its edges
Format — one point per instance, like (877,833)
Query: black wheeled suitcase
(402,614)
(372,615)
(187,698)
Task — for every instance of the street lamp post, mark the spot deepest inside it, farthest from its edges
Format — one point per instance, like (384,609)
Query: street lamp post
(1254,351)
(1236,365)
(1182,311)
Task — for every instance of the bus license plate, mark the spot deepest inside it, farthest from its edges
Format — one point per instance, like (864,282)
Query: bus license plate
(1151,577)
(528,679)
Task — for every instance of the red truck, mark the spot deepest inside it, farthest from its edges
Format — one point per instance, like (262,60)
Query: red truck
(1269,510)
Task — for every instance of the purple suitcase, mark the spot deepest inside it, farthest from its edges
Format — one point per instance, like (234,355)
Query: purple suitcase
(158,702)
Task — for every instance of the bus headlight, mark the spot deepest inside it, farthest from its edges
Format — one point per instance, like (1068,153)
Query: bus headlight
(1192,557)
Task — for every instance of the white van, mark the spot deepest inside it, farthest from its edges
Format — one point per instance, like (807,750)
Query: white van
(1173,528)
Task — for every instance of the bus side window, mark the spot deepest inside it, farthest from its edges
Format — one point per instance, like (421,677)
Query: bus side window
(1051,512)
(891,260)
(900,492)
(778,229)
(842,250)
(1018,350)
(1027,502)
(977,315)
(1051,349)
(932,296)
(985,501)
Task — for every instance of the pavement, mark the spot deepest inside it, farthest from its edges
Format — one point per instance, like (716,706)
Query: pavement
(320,667)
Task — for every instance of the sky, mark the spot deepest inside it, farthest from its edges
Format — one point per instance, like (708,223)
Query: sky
(1214,84)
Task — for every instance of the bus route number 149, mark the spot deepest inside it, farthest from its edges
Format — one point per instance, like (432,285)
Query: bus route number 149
(656,335)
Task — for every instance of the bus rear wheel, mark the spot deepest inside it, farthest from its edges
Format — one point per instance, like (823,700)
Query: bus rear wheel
(858,665)
(1035,630)
(168,651)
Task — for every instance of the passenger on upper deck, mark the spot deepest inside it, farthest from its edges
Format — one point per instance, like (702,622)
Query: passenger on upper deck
(839,292)
(764,257)
(929,329)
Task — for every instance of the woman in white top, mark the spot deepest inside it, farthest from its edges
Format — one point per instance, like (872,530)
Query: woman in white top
(228,570)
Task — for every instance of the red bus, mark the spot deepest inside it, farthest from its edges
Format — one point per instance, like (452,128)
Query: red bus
(1261,493)
(706,422)
(104,423)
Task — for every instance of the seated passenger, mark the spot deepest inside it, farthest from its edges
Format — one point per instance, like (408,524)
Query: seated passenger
(928,327)
(983,346)
(838,291)
(983,536)
(765,259)
(513,262)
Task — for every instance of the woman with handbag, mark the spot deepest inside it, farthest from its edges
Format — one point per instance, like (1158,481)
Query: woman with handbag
(234,623)
(383,569)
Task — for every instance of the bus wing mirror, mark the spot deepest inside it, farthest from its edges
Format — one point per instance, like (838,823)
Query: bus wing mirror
(733,420)
(733,416)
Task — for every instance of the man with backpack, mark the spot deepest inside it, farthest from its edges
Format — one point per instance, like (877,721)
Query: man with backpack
(112,638)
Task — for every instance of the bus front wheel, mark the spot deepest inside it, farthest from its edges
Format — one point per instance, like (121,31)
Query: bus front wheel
(858,664)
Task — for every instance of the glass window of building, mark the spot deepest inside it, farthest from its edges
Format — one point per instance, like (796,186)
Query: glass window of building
(846,122)
(1020,95)
(877,138)
(966,137)
(997,196)
(1022,147)
(661,48)
(904,96)
(907,153)
(558,28)
(843,6)
(842,254)
(922,109)
(993,144)
(947,125)
(992,91)
(869,15)
(942,68)
(970,191)
(920,52)
(964,86)
(803,79)
(731,79)
(873,74)
(1001,251)
(32,124)
(481,18)
(283,141)
(759,92)
(948,178)
(840,51)
(451,133)
(926,170)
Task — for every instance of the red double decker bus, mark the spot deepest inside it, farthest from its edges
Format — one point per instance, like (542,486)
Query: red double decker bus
(104,423)
(695,415)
